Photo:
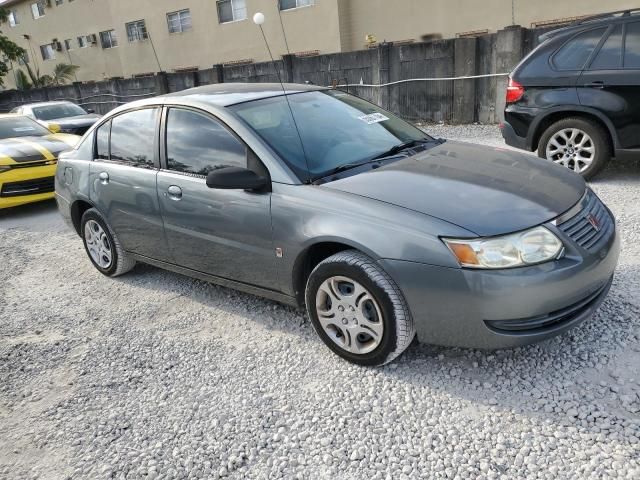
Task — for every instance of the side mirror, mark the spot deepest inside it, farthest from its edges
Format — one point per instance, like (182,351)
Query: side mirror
(235,178)
(90,110)
(53,127)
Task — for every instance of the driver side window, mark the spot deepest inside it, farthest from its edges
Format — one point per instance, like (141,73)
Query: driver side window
(197,144)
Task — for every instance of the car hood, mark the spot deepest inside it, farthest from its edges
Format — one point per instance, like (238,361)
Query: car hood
(34,148)
(488,191)
(77,121)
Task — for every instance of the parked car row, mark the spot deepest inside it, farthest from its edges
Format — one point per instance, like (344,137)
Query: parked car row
(317,198)
(31,139)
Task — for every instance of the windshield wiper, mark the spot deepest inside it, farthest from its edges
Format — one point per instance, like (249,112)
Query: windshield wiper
(389,153)
(402,146)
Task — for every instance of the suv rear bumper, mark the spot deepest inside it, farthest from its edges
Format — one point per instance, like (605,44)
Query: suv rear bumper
(511,137)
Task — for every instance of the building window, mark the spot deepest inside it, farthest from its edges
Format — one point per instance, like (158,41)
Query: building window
(231,10)
(67,44)
(47,52)
(24,59)
(13,18)
(82,41)
(37,9)
(59,2)
(179,21)
(289,4)
(108,39)
(137,31)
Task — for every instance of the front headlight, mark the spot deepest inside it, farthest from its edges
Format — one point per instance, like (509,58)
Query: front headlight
(532,246)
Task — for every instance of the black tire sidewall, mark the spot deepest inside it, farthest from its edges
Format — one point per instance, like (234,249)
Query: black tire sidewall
(388,343)
(594,131)
(93,214)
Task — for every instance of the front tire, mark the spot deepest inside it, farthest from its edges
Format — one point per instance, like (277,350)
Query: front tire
(358,310)
(102,245)
(576,143)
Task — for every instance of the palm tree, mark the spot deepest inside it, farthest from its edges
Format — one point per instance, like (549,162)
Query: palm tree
(22,81)
(63,73)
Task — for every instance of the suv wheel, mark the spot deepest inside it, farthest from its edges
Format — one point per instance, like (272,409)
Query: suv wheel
(357,309)
(102,245)
(576,143)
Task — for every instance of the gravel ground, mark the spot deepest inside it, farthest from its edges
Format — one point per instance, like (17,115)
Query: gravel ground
(156,375)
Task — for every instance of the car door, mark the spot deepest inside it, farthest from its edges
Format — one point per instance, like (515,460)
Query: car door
(123,181)
(226,233)
(611,82)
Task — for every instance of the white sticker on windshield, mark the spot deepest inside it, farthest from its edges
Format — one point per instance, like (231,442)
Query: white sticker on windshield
(23,129)
(373,118)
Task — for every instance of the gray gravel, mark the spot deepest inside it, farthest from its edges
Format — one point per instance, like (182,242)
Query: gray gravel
(155,375)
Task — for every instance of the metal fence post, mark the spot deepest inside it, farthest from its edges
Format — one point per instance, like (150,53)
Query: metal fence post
(383,74)
(464,91)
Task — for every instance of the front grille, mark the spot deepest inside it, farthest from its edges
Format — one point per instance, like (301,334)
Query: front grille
(551,321)
(592,225)
(27,187)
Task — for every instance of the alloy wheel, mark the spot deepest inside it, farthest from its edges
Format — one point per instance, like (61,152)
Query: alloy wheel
(571,148)
(349,315)
(98,244)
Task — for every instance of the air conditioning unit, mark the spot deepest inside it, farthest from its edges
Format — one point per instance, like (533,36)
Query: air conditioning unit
(93,38)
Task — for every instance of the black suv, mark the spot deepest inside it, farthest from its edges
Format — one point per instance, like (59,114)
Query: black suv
(576,97)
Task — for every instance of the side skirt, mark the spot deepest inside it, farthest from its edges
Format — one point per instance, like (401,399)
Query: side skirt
(224,282)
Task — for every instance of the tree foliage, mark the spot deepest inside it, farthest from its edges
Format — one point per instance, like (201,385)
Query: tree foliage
(9,51)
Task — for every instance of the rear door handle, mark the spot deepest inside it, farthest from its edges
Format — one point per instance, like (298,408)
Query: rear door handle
(174,192)
(596,84)
(104,178)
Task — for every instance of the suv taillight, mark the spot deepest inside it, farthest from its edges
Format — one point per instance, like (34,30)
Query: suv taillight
(515,91)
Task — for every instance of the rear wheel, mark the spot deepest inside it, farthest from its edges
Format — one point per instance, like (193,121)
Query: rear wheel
(102,245)
(577,144)
(357,309)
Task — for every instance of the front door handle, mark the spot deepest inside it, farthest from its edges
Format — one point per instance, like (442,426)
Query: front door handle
(596,84)
(104,178)
(174,192)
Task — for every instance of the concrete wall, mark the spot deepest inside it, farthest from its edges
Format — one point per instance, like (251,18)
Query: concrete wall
(452,101)
(329,26)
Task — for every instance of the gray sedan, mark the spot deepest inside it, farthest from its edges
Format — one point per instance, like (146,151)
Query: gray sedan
(318,198)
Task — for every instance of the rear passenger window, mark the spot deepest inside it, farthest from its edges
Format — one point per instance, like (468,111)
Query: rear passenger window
(610,55)
(102,141)
(133,137)
(198,144)
(632,46)
(575,53)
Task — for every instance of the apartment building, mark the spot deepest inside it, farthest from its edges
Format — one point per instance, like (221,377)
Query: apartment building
(123,38)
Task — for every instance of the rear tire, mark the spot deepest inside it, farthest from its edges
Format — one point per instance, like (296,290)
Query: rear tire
(358,310)
(102,245)
(576,143)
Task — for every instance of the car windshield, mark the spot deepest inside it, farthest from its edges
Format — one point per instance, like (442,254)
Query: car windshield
(337,129)
(20,127)
(59,110)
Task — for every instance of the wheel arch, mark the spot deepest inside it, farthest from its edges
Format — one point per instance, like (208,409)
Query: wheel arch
(313,254)
(556,114)
(78,207)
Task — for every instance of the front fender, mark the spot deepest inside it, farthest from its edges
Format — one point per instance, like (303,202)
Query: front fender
(306,215)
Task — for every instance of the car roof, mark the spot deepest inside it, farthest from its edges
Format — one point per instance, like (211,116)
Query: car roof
(225,94)
(45,104)
(591,22)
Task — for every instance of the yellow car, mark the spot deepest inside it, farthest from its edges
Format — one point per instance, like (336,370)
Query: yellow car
(28,157)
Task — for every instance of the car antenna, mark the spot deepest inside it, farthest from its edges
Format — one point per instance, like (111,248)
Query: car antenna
(258,19)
